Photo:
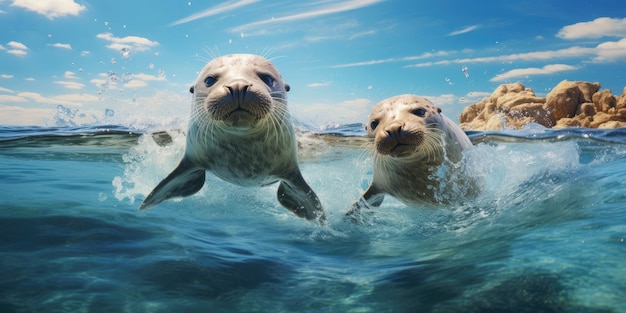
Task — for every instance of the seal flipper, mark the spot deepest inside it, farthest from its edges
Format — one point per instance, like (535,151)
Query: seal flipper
(183,181)
(372,197)
(296,195)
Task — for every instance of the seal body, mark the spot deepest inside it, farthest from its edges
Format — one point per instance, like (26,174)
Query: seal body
(240,131)
(417,154)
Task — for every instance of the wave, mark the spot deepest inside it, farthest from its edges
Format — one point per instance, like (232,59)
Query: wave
(29,135)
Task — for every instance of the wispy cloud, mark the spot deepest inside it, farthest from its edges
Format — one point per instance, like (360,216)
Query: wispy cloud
(6,76)
(600,27)
(220,8)
(61,45)
(524,72)
(132,43)
(464,30)
(572,52)
(70,85)
(17,45)
(67,99)
(317,85)
(7,90)
(328,8)
(51,9)
(610,51)
(424,55)
(70,75)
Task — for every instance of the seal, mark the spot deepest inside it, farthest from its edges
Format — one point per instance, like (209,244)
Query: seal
(417,155)
(240,130)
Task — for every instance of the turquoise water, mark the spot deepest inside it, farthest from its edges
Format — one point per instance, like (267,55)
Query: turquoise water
(547,235)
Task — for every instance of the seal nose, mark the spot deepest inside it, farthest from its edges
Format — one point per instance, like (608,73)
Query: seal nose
(238,89)
(394,130)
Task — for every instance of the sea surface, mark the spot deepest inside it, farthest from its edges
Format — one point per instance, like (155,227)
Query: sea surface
(548,233)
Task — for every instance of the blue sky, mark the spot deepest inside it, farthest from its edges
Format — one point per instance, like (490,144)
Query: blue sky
(138,58)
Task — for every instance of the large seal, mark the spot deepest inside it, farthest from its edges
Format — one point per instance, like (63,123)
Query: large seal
(240,130)
(417,154)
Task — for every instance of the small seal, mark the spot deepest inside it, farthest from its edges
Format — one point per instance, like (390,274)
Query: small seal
(417,154)
(240,131)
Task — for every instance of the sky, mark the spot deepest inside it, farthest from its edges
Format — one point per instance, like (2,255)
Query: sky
(132,62)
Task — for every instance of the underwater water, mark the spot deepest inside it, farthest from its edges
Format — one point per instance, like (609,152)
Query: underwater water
(546,235)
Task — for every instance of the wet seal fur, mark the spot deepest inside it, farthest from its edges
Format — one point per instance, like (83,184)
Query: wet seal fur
(417,155)
(240,130)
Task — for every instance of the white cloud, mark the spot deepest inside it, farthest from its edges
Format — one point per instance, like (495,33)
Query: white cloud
(600,27)
(70,75)
(220,8)
(68,99)
(135,84)
(324,114)
(7,90)
(6,76)
(133,43)
(17,45)
(362,34)
(16,115)
(19,53)
(572,52)
(319,11)
(149,77)
(464,30)
(84,53)
(524,72)
(61,45)
(30,79)
(611,51)
(11,99)
(317,85)
(50,8)
(70,85)
(441,99)
(2,47)
(424,55)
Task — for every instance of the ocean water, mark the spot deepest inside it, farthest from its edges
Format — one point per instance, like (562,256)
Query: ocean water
(547,234)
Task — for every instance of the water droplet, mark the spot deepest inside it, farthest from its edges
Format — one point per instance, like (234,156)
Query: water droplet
(189,3)
(156,54)
(464,69)
(126,77)
(49,35)
(151,66)
(80,70)
(113,61)
(161,73)
(369,87)
(113,77)
(242,35)
(125,52)
(108,113)
(106,23)
(102,196)
(230,41)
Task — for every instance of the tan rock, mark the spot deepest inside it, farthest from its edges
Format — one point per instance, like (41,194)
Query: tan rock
(564,99)
(569,104)
(604,100)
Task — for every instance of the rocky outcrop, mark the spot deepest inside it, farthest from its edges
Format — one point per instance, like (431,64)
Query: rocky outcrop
(569,104)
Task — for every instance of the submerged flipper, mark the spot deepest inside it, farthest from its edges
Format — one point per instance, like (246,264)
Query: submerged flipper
(372,197)
(296,195)
(183,181)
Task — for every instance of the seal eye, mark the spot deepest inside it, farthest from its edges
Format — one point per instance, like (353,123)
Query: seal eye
(419,112)
(209,81)
(267,79)
(373,124)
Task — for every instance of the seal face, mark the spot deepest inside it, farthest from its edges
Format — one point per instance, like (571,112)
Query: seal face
(412,142)
(240,130)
